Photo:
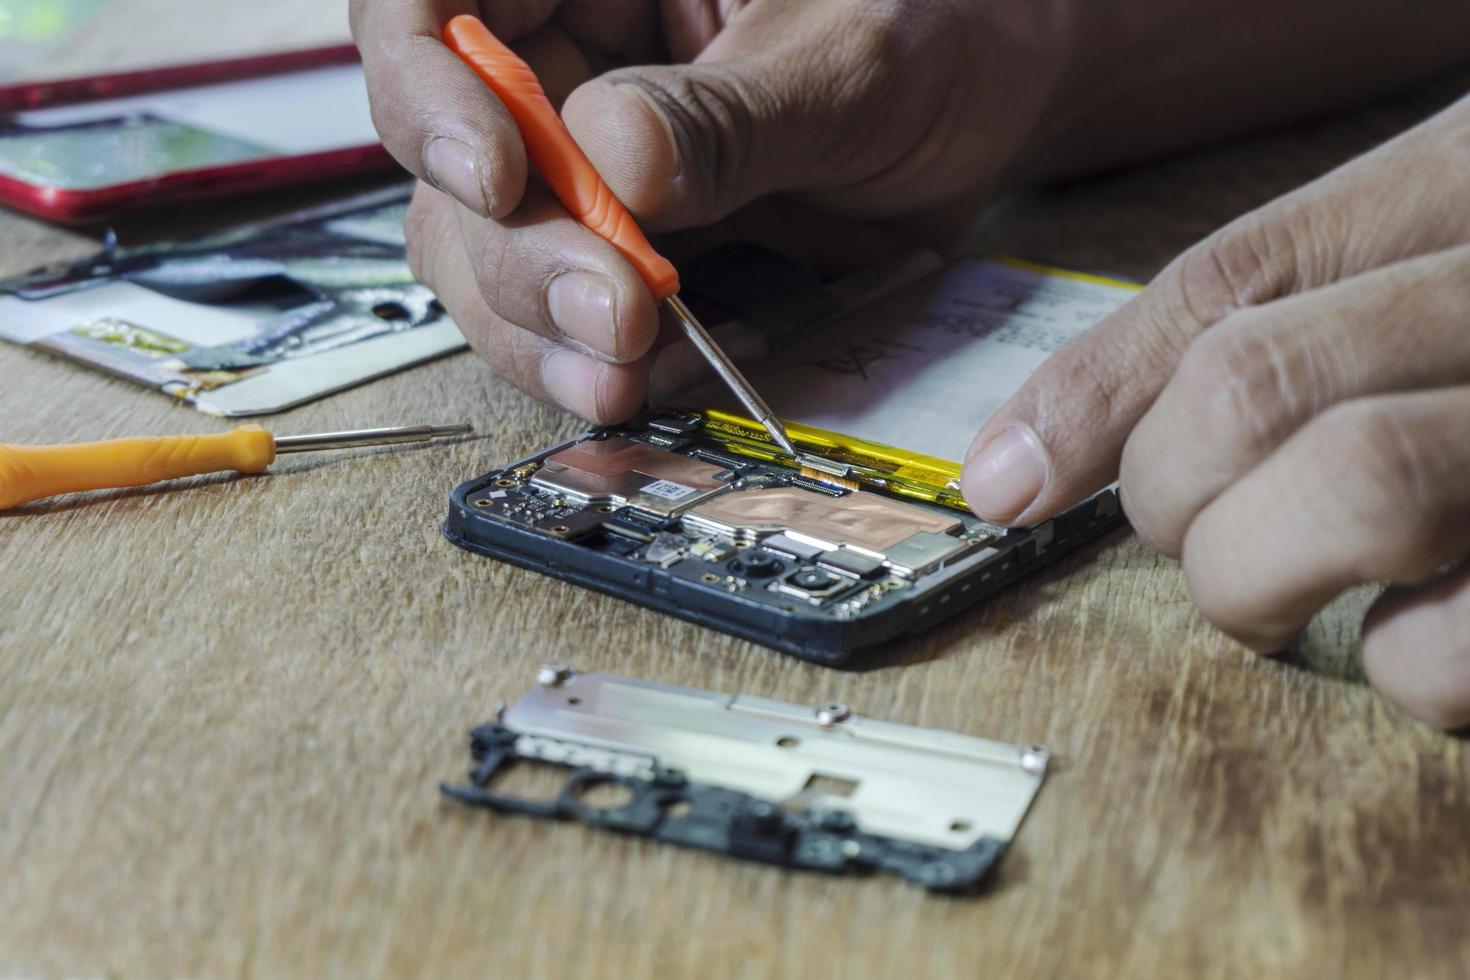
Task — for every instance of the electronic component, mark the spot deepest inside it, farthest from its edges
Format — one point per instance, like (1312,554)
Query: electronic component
(922,550)
(616,472)
(852,562)
(858,520)
(749,545)
(788,545)
(843,461)
(757,563)
(820,789)
(812,584)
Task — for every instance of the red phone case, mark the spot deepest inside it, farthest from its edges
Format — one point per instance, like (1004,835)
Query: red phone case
(73,206)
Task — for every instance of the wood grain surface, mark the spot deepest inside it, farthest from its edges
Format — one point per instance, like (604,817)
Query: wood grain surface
(225,706)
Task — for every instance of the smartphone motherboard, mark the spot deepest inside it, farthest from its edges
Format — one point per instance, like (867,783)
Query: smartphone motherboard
(695,517)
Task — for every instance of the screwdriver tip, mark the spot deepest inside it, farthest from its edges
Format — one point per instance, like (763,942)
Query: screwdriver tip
(778,435)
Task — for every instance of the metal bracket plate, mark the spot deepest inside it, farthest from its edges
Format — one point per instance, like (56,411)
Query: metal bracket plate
(817,788)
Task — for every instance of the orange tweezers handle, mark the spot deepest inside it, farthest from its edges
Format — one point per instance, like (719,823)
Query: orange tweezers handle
(551,148)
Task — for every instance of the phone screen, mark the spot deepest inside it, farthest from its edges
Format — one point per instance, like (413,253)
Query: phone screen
(118,152)
(107,142)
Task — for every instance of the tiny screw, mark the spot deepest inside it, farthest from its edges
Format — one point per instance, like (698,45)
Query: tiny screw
(1033,759)
(832,712)
(553,674)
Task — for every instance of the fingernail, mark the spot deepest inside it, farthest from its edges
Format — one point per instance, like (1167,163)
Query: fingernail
(572,379)
(455,171)
(582,307)
(1008,473)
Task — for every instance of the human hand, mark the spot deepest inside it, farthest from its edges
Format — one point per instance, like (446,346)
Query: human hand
(859,108)
(1287,407)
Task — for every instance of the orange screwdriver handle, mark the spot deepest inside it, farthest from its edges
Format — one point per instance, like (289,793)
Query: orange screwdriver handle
(31,472)
(551,148)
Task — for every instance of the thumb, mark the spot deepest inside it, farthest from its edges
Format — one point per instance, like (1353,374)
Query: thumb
(685,145)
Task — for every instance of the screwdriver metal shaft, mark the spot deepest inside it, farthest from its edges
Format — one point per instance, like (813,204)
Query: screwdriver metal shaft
(368,437)
(730,374)
(31,472)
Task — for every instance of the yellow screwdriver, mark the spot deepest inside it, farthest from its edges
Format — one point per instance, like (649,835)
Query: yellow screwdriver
(31,472)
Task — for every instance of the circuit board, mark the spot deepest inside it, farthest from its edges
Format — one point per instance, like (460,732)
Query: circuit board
(686,514)
(814,788)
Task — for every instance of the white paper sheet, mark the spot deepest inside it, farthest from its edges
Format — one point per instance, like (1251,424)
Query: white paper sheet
(290,383)
(25,321)
(925,368)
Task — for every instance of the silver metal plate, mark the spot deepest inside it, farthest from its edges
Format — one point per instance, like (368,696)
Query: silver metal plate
(915,784)
(619,472)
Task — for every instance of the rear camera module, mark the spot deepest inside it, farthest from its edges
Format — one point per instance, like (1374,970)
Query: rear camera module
(813,580)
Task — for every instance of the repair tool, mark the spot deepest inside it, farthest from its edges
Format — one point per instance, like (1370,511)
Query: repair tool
(586,195)
(31,472)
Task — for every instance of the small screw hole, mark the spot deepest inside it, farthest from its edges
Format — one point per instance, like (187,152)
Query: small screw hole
(788,742)
(390,311)
(483,502)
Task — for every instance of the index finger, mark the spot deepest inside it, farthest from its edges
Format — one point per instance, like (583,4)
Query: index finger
(434,115)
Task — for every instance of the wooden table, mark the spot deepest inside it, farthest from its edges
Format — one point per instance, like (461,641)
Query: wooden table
(225,706)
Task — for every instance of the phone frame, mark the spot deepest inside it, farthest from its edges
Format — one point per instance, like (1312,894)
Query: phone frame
(84,205)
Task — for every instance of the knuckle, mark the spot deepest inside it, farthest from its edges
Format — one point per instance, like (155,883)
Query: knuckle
(1225,272)
(1357,447)
(1378,472)
(875,45)
(714,114)
(1248,262)
(1239,389)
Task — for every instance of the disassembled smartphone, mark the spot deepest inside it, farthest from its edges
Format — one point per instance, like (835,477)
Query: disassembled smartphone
(696,516)
(814,788)
(854,542)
